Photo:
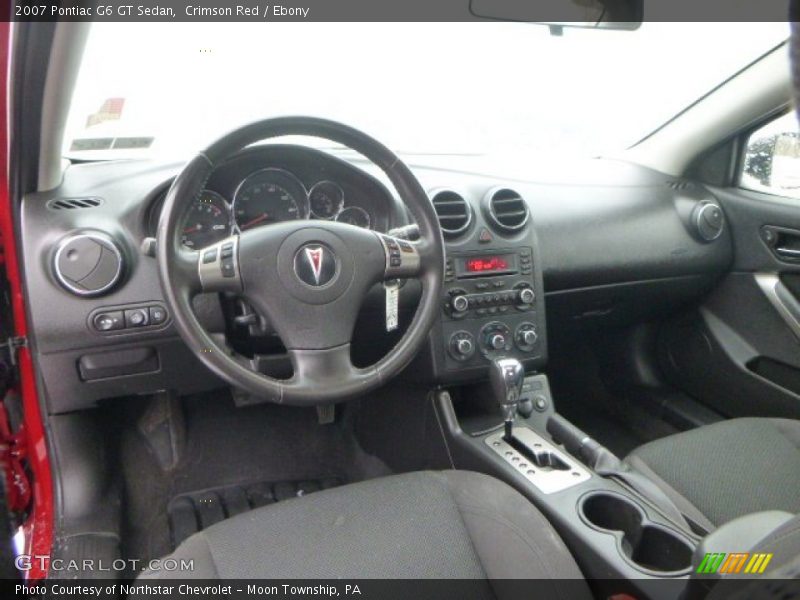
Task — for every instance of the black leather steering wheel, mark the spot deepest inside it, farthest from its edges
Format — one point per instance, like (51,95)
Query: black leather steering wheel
(307,277)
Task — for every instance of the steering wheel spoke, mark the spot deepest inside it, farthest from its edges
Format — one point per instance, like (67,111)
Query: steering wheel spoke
(324,369)
(218,266)
(403,258)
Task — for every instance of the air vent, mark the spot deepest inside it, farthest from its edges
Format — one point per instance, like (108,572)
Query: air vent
(74,203)
(680,185)
(455,214)
(708,221)
(506,209)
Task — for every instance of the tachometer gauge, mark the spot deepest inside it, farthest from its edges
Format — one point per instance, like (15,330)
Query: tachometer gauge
(354,215)
(326,199)
(207,221)
(269,196)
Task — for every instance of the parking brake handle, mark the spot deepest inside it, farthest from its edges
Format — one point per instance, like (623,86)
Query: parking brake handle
(606,464)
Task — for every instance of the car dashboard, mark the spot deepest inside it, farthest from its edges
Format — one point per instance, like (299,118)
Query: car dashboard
(603,241)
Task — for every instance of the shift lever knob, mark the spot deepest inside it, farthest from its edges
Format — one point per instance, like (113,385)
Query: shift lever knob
(506,376)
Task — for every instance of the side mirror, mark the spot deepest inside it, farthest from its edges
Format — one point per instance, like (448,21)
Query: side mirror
(772,158)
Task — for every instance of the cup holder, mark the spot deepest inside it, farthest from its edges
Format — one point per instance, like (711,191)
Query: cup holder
(649,546)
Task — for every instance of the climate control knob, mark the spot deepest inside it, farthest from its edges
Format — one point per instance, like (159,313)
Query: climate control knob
(526,336)
(462,345)
(526,296)
(495,339)
(497,342)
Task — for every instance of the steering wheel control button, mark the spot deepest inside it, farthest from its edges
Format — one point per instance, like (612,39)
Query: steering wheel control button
(218,266)
(109,321)
(226,260)
(88,263)
(315,265)
(138,317)
(227,268)
(157,315)
(402,258)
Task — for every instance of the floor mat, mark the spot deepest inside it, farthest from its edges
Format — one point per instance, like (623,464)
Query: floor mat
(193,512)
(620,419)
(226,447)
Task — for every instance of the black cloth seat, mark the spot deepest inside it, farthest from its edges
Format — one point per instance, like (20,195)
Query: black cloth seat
(726,470)
(449,524)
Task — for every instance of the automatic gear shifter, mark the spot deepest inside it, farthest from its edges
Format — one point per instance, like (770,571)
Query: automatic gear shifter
(506,376)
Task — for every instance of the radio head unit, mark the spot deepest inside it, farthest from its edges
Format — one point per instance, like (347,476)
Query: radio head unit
(477,265)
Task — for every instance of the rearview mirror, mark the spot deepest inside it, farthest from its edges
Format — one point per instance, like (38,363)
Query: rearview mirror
(598,14)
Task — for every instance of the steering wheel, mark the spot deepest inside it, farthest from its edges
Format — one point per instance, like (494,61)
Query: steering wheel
(307,277)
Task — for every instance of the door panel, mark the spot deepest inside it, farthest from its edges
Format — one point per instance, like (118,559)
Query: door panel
(740,351)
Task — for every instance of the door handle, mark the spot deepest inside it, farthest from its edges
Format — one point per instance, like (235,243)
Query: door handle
(782,241)
(791,253)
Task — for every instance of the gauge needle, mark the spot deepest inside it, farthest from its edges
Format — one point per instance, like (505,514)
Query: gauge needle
(252,222)
(193,229)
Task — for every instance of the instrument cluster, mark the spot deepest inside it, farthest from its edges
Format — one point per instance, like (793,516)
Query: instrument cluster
(266,196)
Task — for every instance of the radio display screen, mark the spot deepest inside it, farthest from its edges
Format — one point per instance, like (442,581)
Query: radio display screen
(487,264)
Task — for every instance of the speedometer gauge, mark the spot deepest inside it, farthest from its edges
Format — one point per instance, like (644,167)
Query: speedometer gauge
(326,199)
(269,196)
(207,221)
(354,215)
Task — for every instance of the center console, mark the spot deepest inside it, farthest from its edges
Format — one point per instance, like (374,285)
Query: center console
(620,527)
(493,300)
(623,539)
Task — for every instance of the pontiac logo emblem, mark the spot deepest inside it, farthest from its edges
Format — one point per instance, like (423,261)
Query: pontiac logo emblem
(315,265)
(314,256)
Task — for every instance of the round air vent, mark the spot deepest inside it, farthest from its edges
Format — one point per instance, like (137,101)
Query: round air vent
(88,263)
(455,213)
(506,209)
(708,221)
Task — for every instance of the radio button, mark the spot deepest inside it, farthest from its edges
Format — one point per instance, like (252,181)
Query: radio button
(526,296)
(460,304)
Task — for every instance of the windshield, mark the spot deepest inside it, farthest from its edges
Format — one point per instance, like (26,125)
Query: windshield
(509,89)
